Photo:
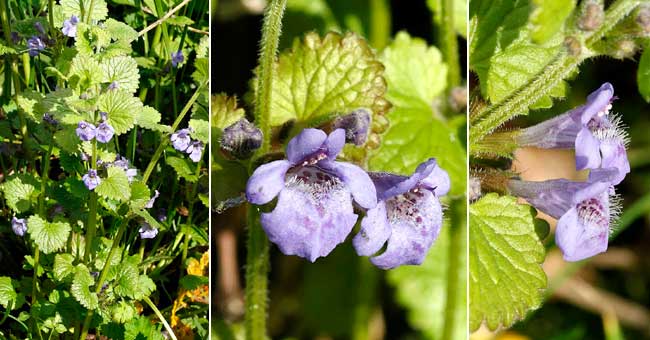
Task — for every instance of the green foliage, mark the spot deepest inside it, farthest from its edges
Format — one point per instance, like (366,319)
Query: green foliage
(121,108)
(8,295)
(548,16)
(63,267)
(183,167)
(459,13)
(321,77)
(80,288)
(115,185)
(20,192)
(414,89)
(643,74)
(49,236)
(506,277)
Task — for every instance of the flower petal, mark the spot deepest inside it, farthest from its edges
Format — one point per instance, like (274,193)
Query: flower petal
(356,180)
(305,144)
(597,102)
(334,143)
(311,217)
(614,155)
(415,220)
(577,240)
(438,180)
(587,150)
(267,181)
(375,230)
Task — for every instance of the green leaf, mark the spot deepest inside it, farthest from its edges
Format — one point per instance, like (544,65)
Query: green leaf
(418,131)
(120,31)
(4,49)
(459,13)
(8,295)
(320,78)
(123,70)
(123,312)
(140,195)
(121,107)
(80,288)
(225,111)
(85,72)
(548,17)
(141,327)
(115,186)
(643,74)
(506,277)
(20,192)
(28,102)
(183,167)
(430,282)
(49,236)
(191,282)
(76,7)
(201,73)
(149,118)
(201,130)
(63,266)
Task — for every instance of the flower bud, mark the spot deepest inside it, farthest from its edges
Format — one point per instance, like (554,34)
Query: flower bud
(241,139)
(592,16)
(458,98)
(356,126)
(624,49)
(643,19)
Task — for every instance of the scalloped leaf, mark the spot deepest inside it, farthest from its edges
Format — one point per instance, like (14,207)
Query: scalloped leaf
(49,236)
(320,78)
(183,167)
(506,277)
(225,111)
(121,107)
(149,118)
(20,192)
(8,295)
(63,267)
(548,17)
(123,70)
(120,31)
(80,288)
(115,186)
(85,72)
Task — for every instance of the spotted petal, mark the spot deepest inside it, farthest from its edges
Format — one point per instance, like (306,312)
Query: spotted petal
(313,215)
(415,221)
(579,240)
(357,181)
(266,182)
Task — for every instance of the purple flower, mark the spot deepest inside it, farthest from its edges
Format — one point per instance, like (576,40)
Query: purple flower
(147,231)
(113,86)
(150,203)
(86,131)
(583,209)
(104,132)
(91,179)
(314,212)
(408,216)
(19,226)
(162,215)
(177,58)
(241,139)
(356,126)
(195,149)
(123,163)
(596,135)
(48,118)
(35,45)
(131,173)
(181,139)
(15,37)
(70,26)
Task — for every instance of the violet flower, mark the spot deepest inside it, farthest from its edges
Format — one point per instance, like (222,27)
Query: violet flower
(19,226)
(104,132)
(48,118)
(86,131)
(39,27)
(314,211)
(181,139)
(123,163)
(596,135)
(583,209)
(147,231)
(195,149)
(177,58)
(35,45)
(91,179)
(113,86)
(150,203)
(408,216)
(70,26)
(356,126)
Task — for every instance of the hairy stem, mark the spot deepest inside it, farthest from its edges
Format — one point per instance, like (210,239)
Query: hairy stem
(448,43)
(257,268)
(165,140)
(92,210)
(271,30)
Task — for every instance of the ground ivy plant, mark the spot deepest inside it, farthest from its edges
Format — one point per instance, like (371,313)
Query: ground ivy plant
(523,55)
(345,143)
(84,156)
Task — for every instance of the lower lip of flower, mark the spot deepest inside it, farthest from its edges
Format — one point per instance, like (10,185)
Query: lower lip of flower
(591,211)
(404,206)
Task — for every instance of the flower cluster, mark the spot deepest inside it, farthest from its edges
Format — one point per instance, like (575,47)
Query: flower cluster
(177,58)
(87,131)
(182,141)
(70,26)
(584,209)
(314,211)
